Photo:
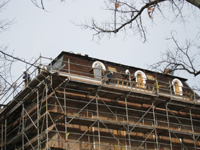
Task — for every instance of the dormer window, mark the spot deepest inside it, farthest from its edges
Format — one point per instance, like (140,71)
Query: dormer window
(98,69)
(140,78)
(177,86)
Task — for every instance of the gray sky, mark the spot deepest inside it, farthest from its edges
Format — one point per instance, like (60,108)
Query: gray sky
(49,32)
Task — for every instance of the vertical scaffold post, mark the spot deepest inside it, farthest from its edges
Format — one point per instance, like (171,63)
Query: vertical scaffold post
(194,99)
(157,87)
(40,60)
(69,67)
(127,118)
(192,129)
(23,125)
(155,124)
(93,136)
(97,109)
(51,80)
(47,112)
(65,107)
(5,134)
(169,130)
(170,88)
(51,66)
(2,135)
(35,70)
(38,119)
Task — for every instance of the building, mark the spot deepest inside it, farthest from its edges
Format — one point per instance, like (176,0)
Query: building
(77,102)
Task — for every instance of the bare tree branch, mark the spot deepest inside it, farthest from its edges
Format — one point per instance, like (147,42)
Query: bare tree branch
(135,14)
(130,16)
(181,58)
(5,73)
(3,3)
(41,5)
(16,58)
(4,23)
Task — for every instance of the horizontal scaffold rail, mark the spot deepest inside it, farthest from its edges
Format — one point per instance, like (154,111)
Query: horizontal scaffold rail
(65,109)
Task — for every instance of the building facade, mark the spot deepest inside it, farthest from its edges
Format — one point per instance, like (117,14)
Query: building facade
(77,102)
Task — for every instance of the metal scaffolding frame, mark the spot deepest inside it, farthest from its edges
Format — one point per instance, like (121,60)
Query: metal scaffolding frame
(59,110)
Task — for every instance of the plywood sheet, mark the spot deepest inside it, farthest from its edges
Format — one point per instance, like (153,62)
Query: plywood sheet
(112,69)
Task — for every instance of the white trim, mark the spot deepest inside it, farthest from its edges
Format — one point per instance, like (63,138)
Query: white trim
(144,77)
(97,71)
(179,84)
(100,63)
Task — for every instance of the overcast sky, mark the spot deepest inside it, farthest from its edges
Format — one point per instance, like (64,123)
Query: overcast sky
(49,32)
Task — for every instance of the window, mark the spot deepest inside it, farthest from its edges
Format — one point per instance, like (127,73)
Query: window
(140,78)
(98,69)
(57,65)
(177,86)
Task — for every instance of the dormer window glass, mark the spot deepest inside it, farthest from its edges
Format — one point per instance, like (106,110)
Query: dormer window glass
(98,69)
(140,78)
(177,86)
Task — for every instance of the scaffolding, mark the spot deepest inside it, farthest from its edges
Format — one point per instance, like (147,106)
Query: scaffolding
(66,109)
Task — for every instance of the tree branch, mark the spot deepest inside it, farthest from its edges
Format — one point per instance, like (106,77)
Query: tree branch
(195,3)
(180,59)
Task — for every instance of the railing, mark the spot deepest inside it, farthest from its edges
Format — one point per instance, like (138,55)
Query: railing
(117,79)
(108,117)
(19,85)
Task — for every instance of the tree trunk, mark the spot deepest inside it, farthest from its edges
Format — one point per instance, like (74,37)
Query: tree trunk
(194,2)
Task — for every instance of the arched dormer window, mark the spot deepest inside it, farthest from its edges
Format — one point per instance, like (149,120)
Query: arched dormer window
(177,86)
(140,78)
(98,69)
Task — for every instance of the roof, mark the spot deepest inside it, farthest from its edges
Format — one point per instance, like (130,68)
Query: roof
(126,66)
